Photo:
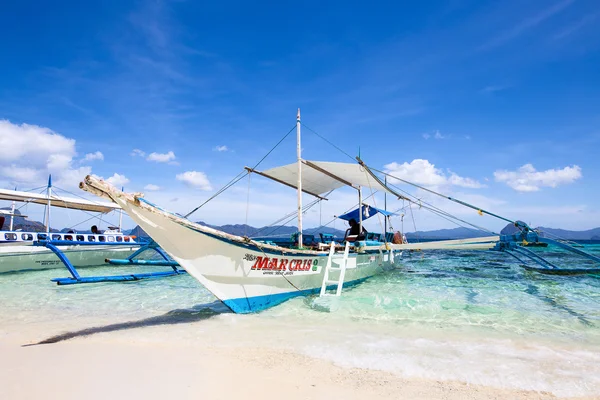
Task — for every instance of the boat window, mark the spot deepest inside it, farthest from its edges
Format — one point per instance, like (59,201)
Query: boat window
(42,236)
(55,237)
(68,237)
(119,239)
(80,238)
(91,238)
(26,236)
(126,238)
(10,236)
(110,238)
(101,239)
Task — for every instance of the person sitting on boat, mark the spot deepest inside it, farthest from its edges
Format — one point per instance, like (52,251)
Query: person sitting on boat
(399,238)
(95,230)
(354,233)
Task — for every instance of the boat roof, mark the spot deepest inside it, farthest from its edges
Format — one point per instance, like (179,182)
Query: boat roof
(320,177)
(58,201)
(367,212)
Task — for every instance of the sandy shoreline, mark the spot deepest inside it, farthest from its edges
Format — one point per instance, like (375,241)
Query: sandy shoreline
(101,367)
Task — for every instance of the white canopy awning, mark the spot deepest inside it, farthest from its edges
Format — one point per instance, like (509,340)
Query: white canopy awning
(58,201)
(320,177)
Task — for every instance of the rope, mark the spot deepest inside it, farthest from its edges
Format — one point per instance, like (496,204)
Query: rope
(290,216)
(239,176)
(337,148)
(412,214)
(335,218)
(480,210)
(375,204)
(440,212)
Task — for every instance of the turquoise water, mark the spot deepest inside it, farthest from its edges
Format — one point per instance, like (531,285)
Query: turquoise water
(475,317)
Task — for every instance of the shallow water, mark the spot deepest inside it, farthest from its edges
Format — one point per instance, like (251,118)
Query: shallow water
(475,317)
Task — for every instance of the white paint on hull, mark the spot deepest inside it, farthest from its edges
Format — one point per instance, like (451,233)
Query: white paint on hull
(224,266)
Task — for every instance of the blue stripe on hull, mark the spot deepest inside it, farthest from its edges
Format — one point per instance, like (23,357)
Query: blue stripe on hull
(245,305)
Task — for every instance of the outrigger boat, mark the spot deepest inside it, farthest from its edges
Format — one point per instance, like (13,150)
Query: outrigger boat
(249,275)
(23,250)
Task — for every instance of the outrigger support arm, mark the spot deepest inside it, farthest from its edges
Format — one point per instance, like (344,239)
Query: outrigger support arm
(510,244)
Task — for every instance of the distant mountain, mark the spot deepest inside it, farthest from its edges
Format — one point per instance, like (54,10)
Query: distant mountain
(590,234)
(20,223)
(276,230)
(23,224)
(455,233)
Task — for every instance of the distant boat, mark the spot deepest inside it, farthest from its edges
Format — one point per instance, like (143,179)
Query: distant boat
(17,249)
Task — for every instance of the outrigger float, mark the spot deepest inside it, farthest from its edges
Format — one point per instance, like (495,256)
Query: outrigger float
(76,278)
(249,275)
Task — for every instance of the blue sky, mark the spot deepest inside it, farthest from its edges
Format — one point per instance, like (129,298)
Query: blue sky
(478,89)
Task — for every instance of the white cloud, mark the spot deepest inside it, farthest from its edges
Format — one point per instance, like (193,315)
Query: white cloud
(221,148)
(118,180)
(152,187)
(137,152)
(436,135)
(528,179)
(424,173)
(161,158)
(195,179)
(464,182)
(30,152)
(17,174)
(94,156)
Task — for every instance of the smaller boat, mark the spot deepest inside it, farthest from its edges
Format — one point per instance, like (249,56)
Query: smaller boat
(22,250)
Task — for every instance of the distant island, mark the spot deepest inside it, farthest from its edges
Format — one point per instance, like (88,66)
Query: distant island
(282,231)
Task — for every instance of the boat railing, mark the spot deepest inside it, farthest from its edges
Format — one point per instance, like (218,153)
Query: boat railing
(12,236)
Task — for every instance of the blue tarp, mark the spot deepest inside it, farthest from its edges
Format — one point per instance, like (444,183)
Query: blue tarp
(368,212)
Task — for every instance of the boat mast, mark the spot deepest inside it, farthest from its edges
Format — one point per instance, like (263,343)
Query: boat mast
(360,211)
(121,212)
(385,219)
(12,214)
(49,204)
(299,153)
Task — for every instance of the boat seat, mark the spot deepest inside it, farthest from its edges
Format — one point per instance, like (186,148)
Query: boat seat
(326,238)
(376,237)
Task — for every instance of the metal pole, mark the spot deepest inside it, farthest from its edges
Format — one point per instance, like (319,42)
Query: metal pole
(299,153)
(385,221)
(121,214)
(360,210)
(12,216)
(49,204)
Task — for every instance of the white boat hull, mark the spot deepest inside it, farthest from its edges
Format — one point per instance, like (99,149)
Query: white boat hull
(244,274)
(23,257)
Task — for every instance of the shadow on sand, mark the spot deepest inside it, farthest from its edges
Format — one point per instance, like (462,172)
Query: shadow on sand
(180,316)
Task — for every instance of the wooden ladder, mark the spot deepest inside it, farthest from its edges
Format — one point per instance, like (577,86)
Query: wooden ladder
(342,269)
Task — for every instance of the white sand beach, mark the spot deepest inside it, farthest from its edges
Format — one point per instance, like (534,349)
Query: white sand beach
(103,368)
(159,362)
